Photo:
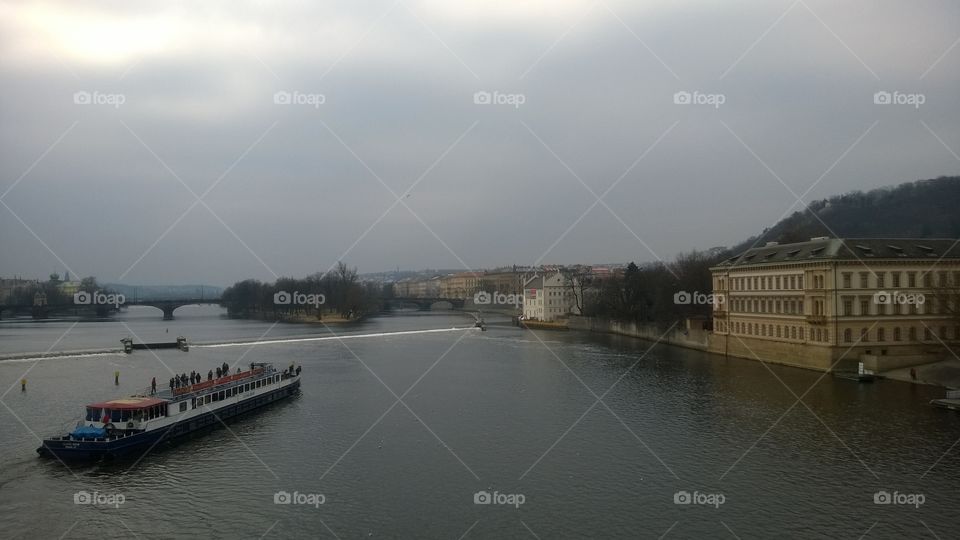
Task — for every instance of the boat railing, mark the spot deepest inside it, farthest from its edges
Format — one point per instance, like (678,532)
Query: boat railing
(198,387)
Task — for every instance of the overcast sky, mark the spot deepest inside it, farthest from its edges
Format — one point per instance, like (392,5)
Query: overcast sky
(115,117)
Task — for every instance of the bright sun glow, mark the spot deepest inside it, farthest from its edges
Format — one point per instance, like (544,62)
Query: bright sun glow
(93,37)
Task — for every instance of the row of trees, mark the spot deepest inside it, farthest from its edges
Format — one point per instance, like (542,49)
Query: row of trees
(338,291)
(651,293)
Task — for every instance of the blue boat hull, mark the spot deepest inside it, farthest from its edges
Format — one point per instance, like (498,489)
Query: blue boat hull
(66,449)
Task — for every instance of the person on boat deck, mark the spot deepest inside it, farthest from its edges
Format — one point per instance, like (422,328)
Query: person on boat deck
(226,369)
(171,384)
(210,375)
(238,370)
(298,370)
(219,372)
(153,386)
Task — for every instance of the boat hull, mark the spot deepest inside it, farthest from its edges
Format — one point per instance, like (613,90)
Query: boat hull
(66,449)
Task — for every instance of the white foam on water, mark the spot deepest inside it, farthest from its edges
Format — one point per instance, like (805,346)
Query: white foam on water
(336,338)
(56,356)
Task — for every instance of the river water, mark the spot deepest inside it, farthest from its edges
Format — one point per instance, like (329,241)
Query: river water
(394,436)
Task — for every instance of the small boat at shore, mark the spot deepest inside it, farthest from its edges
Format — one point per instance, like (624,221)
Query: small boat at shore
(123,426)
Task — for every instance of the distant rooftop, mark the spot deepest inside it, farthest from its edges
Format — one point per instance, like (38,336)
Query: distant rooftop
(862,249)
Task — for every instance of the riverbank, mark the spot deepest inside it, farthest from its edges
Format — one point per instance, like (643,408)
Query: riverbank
(944,374)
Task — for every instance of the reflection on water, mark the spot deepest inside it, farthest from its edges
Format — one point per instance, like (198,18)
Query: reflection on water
(502,411)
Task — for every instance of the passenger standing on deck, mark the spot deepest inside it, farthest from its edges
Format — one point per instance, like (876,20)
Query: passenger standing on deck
(153,386)
(219,372)
(210,375)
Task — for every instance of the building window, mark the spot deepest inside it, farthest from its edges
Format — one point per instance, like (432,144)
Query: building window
(912,333)
(881,335)
(847,280)
(864,280)
(927,334)
(911,279)
(896,279)
(864,307)
(864,335)
(848,307)
(847,335)
(826,336)
(896,334)
(881,278)
(943,332)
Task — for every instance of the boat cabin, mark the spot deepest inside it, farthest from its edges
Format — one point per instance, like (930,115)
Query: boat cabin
(129,409)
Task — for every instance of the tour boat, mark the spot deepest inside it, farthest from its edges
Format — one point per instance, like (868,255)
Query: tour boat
(135,424)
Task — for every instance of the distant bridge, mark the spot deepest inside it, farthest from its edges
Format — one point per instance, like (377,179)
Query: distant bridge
(167,306)
(425,304)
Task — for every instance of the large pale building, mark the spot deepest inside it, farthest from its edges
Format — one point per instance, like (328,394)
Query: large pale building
(548,298)
(830,303)
(461,285)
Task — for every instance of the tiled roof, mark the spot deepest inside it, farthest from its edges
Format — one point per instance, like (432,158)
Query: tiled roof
(863,249)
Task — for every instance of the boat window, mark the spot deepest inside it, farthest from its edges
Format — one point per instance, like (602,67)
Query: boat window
(246,387)
(216,397)
(206,398)
(93,414)
(115,415)
(221,395)
(183,406)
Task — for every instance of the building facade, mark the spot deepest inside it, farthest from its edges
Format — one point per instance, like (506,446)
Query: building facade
(548,298)
(829,303)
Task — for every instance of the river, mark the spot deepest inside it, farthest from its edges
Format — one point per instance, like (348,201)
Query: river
(572,435)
